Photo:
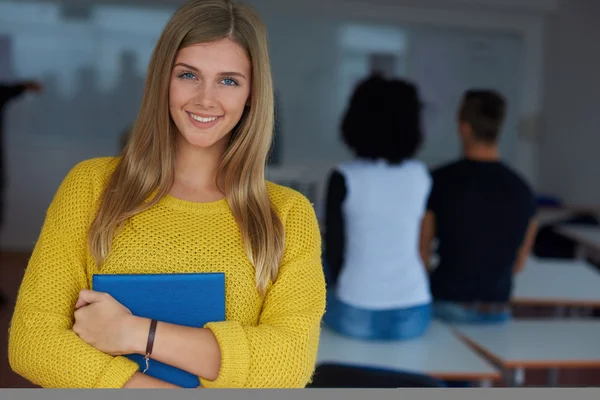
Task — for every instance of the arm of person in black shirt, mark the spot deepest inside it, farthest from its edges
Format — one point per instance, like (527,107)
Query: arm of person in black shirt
(334,225)
(427,236)
(529,240)
(9,92)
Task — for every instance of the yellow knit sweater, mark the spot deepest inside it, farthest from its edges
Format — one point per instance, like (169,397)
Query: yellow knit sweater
(265,342)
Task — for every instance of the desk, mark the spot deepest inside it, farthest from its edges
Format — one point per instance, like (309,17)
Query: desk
(558,283)
(547,216)
(550,215)
(588,238)
(438,353)
(522,344)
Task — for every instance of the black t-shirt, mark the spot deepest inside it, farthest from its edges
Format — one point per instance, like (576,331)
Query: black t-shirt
(482,211)
(7,93)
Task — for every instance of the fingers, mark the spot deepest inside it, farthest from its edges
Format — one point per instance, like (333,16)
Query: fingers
(88,297)
(76,328)
(80,303)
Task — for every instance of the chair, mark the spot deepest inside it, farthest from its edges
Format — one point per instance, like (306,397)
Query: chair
(346,376)
(549,244)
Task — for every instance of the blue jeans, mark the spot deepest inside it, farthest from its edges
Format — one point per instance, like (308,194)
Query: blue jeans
(393,324)
(455,312)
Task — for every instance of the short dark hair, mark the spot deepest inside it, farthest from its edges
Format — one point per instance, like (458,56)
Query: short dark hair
(383,120)
(484,110)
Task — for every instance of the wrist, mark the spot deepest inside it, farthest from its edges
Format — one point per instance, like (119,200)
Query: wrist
(137,335)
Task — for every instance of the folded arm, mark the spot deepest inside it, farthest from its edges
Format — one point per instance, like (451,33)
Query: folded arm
(279,352)
(42,345)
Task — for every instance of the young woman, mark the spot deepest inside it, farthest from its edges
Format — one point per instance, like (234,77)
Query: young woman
(374,209)
(188,195)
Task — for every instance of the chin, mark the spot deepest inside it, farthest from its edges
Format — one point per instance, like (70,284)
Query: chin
(203,141)
(200,143)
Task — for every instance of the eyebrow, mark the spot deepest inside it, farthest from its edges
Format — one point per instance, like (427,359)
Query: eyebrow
(228,73)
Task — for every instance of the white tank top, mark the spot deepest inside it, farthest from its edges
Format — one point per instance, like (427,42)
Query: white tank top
(382,213)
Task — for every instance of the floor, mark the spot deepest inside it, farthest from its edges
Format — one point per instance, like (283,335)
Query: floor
(12,267)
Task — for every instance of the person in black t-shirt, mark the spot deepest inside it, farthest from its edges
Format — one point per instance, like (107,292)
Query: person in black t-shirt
(483,215)
(7,93)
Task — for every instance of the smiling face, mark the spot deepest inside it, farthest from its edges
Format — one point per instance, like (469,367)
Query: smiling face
(210,87)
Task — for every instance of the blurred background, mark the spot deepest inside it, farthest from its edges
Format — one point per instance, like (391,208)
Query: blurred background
(91,56)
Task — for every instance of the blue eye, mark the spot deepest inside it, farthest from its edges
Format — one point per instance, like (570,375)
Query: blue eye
(229,82)
(186,75)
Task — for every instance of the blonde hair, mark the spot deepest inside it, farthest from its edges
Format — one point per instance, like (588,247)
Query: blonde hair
(145,173)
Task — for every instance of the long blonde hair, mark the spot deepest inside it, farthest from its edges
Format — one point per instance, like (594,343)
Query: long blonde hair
(145,173)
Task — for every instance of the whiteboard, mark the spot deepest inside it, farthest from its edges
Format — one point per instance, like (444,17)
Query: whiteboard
(445,63)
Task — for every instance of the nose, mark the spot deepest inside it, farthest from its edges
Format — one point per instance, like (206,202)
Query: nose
(205,96)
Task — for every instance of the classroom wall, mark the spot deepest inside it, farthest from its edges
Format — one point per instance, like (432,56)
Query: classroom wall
(569,139)
(39,159)
(93,77)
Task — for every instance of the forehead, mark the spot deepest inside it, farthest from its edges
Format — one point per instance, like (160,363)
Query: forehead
(222,55)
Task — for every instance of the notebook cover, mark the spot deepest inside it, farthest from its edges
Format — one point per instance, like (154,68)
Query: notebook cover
(182,299)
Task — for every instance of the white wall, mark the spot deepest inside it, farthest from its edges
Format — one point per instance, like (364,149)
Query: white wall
(570,135)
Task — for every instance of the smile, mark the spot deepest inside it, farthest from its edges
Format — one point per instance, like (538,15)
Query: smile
(202,119)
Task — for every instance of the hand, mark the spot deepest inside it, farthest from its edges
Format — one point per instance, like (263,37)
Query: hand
(33,86)
(104,323)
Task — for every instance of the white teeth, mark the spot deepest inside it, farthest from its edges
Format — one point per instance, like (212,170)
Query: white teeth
(197,118)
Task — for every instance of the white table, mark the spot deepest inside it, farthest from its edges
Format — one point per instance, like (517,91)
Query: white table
(439,353)
(546,216)
(558,283)
(543,343)
(588,238)
(550,215)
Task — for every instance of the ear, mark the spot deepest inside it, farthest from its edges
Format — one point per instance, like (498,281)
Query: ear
(464,129)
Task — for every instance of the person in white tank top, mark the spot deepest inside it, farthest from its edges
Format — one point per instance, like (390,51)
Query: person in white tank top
(379,287)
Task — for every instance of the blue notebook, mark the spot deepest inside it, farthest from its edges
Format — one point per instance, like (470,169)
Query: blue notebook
(183,299)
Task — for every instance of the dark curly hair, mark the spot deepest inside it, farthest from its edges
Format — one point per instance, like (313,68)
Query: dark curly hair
(383,120)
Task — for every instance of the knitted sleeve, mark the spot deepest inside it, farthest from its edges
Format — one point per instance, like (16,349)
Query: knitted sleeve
(281,351)
(42,345)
